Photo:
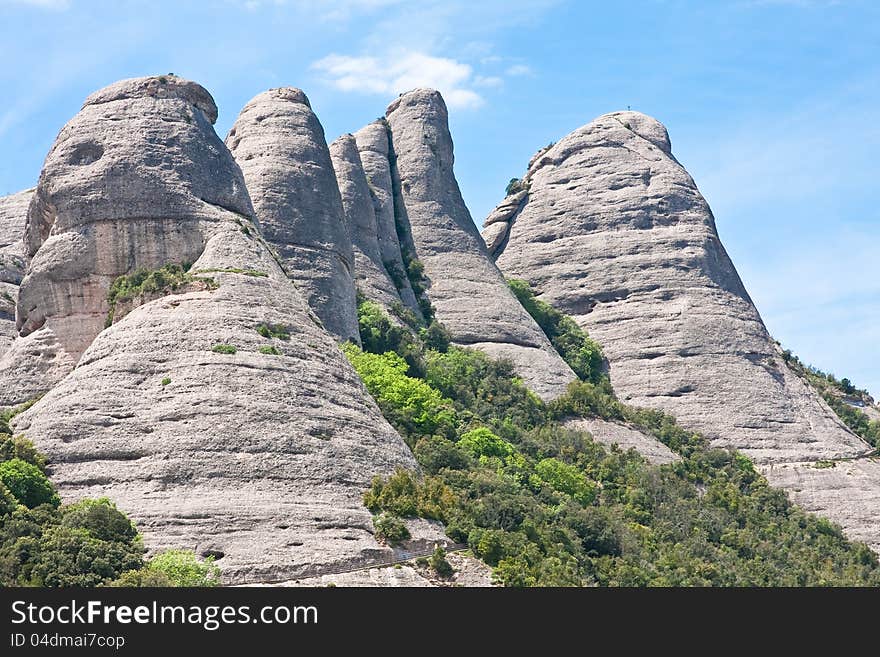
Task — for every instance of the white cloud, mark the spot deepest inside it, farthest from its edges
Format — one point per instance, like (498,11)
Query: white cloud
(42,4)
(395,73)
(519,69)
(488,81)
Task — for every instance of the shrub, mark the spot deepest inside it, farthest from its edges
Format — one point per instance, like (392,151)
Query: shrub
(404,494)
(439,563)
(182,568)
(164,279)
(566,478)
(390,529)
(410,404)
(166,381)
(482,442)
(101,519)
(19,447)
(272,351)
(27,483)
(71,556)
(224,349)
(8,501)
(273,331)
(582,354)
(380,335)
(435,453)
(515,186)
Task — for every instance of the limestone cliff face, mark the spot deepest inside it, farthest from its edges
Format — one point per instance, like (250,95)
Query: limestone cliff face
(279,144)
(13,215)
(467,290)
(373,146)
(371,276)
(258,456)
(613,231)
(85,228)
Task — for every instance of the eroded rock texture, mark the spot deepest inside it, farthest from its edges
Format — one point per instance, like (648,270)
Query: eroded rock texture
(13,216)
(613,231)
(373,146)
(258,456)
(371,276)
(468,292)
(279,144)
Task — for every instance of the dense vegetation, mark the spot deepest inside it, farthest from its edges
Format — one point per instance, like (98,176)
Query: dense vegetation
(87,543)
(546,505)
(167,278)
(836,392)
(581,353)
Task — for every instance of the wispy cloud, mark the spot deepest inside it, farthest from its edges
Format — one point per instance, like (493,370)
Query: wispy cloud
(41,4)
(399,72)
(519,70)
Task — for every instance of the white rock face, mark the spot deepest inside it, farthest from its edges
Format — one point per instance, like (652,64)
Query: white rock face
(625,437)
(85,228)
(614,232)
(373,144)
(13,216)
(279,144)
(371,276)
(469,294)
(261,455)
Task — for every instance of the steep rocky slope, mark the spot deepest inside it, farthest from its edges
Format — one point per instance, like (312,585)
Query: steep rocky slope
(13,216)
(209,434)
(373,146)
(466,289)
(610,229)
(371,275)
(279,144)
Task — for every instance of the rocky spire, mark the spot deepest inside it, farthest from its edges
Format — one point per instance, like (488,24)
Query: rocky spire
(373,145)
(280,145)
(219,415)
(611,230)
(371,275)
(13,216)
(469,294)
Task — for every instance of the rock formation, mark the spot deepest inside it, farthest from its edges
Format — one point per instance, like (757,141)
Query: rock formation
(612,230)
(373,145)
(13,216)
(371,276)
(468,292)
(210,435)
(279,144)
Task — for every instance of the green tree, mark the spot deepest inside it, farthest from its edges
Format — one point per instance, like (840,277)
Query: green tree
(27,483)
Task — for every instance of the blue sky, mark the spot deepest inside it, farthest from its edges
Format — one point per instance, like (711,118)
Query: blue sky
(772,105)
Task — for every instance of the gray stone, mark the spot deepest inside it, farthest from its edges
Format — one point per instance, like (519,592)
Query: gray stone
(371,276)
(13,216)
(625,437)
(279,144)
(614,233)
(469,294)
(259,457)
(373,144)
(84,228)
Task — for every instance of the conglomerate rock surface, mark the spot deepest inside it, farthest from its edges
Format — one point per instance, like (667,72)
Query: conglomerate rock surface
(210,435)
(612,231)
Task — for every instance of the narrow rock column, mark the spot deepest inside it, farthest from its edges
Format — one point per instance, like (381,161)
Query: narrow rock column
(371,276)
(279,144)
(469,294)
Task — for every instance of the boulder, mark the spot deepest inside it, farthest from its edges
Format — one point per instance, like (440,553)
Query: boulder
(279,144)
